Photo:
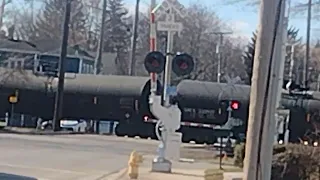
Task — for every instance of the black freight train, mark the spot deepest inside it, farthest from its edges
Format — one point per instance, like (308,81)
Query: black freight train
(207,95)
(119,98)
(125,99)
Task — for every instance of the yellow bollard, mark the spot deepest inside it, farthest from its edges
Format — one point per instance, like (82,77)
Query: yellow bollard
(133,165)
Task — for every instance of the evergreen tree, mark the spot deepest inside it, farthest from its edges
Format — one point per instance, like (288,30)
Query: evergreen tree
(250,52)
(49,24)
(117,34)
(117,29)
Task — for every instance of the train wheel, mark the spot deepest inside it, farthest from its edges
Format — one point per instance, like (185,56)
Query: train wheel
(200,141)
(119,130)
(185,139)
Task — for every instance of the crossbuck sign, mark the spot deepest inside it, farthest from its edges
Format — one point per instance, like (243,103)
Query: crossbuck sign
(167,8)
(230,83)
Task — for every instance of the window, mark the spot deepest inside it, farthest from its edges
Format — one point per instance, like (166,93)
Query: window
(91,69)
(19,64)
(12,64)
(206,114)
(84,68)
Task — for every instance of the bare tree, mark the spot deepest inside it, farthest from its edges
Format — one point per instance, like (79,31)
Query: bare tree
(49,21)
(199,40)
(24,28)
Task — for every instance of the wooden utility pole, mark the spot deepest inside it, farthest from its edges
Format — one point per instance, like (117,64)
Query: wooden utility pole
(58,106)
(132,70)
(258,94)
(273,94)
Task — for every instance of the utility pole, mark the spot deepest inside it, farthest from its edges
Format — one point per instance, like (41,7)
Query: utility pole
(273,93)
(58,107)
(307,55)
(98,63)
(292,55)
(253,162)
(219,53)
(132,70)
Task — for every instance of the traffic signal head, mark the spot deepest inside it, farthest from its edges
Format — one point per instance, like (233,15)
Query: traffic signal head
(154,62)
(235,105)
(182,64)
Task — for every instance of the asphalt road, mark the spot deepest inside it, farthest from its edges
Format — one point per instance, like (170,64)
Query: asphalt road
(66,157)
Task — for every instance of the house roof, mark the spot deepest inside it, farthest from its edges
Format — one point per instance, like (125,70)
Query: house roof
(51,47)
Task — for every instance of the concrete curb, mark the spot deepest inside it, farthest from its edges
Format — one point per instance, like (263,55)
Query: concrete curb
(26,131)
(116,175)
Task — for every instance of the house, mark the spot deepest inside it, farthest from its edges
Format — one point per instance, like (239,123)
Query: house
(16,53)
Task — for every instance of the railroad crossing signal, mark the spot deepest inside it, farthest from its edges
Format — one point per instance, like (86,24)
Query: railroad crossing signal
(235,105)
(166,5)
(169,8)
(154,62)
(182,64)
(229,105)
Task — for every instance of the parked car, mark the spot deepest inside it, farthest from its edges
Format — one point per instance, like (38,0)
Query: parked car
(67,124)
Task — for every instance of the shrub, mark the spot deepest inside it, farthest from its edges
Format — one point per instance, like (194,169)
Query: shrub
(293,161)
(239,152)
(296,162)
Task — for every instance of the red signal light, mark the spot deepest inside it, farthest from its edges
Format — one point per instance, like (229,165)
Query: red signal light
(234,105)
(183,65)
(155,63)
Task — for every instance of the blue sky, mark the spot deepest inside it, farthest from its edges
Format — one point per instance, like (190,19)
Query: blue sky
(242,19)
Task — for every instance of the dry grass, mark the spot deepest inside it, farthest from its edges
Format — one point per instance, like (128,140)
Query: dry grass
(204,154)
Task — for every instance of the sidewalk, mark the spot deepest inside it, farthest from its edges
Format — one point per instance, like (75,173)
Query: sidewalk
(185,171)
(33,131)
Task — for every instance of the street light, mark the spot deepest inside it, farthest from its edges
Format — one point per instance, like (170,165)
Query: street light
(218,51)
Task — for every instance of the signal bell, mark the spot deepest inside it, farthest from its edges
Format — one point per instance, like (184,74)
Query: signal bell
(182,64)
(154,62)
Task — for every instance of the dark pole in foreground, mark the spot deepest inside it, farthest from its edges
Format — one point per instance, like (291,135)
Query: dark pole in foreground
(59,95)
